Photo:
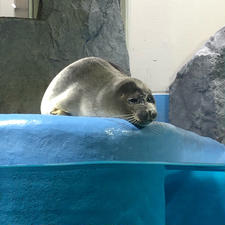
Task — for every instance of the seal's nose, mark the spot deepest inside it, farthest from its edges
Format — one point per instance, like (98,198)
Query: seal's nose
(147,115)
(153,114)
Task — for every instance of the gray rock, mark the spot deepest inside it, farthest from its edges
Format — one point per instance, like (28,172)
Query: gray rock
(32,52)
(197,96)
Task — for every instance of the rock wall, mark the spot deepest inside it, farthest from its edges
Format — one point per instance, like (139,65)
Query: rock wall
(32,52)
(197,96)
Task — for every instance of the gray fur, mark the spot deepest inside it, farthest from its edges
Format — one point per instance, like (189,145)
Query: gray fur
(94,87)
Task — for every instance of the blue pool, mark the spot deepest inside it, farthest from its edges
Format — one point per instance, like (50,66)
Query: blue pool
(103,171)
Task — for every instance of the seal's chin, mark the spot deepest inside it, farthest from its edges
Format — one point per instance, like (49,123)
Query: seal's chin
(143,118)
(142,125)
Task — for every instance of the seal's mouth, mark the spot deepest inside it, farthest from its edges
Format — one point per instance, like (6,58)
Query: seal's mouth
(143,124)
(143,118)
(139,119)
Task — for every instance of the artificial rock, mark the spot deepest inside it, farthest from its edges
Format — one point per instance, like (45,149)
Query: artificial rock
(32,52)
(197,96)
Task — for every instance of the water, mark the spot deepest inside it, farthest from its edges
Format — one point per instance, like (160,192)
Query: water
(112,193)
(75,194)
(97,171)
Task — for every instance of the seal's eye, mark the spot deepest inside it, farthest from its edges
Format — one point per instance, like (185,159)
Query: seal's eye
(150,99)
(133,100)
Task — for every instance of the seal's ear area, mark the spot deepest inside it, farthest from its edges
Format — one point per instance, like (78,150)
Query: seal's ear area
(128,86)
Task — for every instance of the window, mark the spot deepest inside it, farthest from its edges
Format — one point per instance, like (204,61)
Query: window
(19,8)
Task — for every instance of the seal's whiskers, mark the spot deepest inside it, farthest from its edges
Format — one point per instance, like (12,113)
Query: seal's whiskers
(123,116)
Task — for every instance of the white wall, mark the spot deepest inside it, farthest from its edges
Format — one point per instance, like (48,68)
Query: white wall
(162,35)
(6,9)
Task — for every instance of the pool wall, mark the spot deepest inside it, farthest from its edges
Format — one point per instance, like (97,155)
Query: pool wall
(98,194)
(194,196)
(75,171)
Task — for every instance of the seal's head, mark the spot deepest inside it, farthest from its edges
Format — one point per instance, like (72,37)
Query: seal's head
(134,101)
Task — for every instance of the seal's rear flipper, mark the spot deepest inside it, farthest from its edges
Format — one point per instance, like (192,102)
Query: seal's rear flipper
(56,111)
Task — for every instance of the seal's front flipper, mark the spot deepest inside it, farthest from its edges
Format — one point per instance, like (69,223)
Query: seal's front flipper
(56,111)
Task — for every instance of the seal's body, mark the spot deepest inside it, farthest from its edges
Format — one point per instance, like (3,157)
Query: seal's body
(94,87)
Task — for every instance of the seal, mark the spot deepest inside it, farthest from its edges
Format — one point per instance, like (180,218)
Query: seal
(94,87)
